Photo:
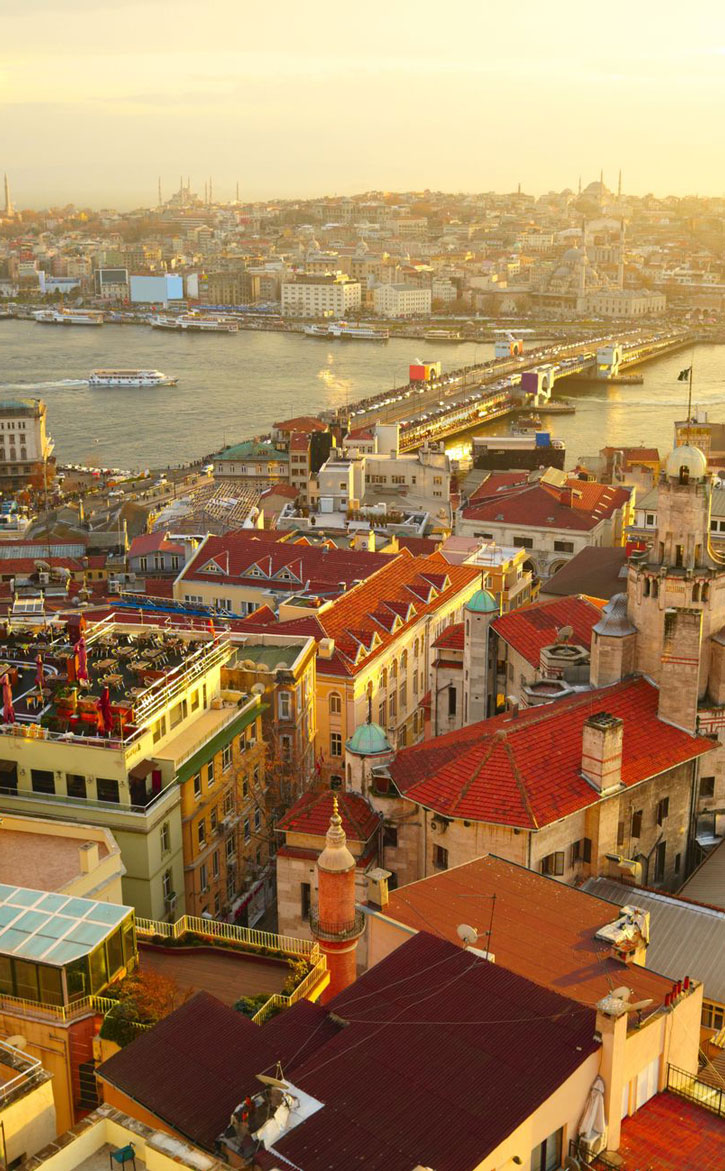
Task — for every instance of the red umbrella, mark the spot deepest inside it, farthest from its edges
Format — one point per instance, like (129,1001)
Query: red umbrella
(82,658)
(39,678)
(8,709)
(106,713)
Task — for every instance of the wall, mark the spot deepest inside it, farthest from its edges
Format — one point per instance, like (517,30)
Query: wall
(29,1122)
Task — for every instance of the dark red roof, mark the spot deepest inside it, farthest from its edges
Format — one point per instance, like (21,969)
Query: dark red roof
(531,628)
(451,638)
(312,812)
(525,770)
(496,480)
(301,423)
(546,506)
(154,543)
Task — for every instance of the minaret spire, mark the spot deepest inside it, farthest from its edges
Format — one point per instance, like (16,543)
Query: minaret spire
(9,209)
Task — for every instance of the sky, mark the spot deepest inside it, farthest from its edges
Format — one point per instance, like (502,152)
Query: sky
(98,98)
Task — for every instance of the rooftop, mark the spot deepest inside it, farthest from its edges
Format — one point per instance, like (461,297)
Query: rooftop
(226,975)
(53,928)
(311,814)
(596,571)
(530,909)
(541,505)
(707,884)
(524,769)
(531,628)
(22,848)
(669,1133)
(252,449)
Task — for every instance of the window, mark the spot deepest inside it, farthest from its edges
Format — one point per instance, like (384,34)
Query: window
(678,863)
(230,848)
(166,884)
(637,824)
(213,821)
(286,747)
(663,809)
(452,701)
(713,1016)
(553,864)
(210,773)
(158,729)
(201,832)
(440,858)
(305,899)
(390,836)
(178,713)
(196,781)
(257,820)
(547,1156)
(107,789)
(203,878)
(226,757)
(243,742)
(285,705)
(523,542)
(217,903)
(335,704)
(335,744)
(247,831)
(660,861)
(581,851)
(563,546)
(228,803)
(707,786)
(215,863)
(165,838)
(42,781)
(195,701)
(620,833)
(75,785)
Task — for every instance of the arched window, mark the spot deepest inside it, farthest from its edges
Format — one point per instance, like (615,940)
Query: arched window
(696,592)
(655,587)
(383,679)
(646,587)
(404,662)
(393,670)
(705,591)
(415,648)
(335,704)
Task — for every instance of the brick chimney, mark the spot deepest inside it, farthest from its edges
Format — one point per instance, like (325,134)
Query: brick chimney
(602,751)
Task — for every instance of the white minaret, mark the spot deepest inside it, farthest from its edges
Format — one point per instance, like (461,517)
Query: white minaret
(478,671)
(9,209)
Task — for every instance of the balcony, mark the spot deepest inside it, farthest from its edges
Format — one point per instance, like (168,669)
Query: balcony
(334,932)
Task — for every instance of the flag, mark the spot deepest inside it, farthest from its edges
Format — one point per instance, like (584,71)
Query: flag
(684,375)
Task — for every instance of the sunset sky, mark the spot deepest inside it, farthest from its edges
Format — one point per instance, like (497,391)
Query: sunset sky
(100,97)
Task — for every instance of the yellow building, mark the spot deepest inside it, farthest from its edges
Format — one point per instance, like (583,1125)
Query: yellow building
(27,1109)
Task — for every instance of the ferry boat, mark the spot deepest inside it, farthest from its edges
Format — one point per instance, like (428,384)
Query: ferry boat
(130,378)
(69,316)
(348,332)
(196,323)
(443,335)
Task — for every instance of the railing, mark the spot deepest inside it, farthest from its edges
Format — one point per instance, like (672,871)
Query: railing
(154,699)
(247,937)
(686,1085)
(88,802)
(278,1001)
(350,929)
(28,1069)
(35,1009)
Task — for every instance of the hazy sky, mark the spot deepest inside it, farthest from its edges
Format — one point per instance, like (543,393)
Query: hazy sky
(100,97)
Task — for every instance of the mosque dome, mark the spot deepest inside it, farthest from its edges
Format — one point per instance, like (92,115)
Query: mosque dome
(687,457)
(575,256)
(482,602)
(369,740)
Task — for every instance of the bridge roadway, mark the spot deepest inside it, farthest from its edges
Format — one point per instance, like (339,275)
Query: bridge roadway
(478,394)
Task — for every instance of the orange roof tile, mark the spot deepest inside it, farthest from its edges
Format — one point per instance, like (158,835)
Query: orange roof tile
(531,628)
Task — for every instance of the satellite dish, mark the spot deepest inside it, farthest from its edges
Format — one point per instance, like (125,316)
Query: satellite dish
(266,1080)
(639,1005)
(564,633)
(467,934)
(18,1041)
(622,993)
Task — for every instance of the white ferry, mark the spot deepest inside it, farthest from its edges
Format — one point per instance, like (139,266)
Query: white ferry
(443,335)
(196,323)
(130,378)
(346,331)
(69,316)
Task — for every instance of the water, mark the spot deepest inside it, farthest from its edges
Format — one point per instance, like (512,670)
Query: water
(236,385)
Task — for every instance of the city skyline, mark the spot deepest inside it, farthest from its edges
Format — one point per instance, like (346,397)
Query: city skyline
(293,103)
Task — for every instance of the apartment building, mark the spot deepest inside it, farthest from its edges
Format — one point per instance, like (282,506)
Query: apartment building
(254,463)
(320,296)
(25,446)
(402,300)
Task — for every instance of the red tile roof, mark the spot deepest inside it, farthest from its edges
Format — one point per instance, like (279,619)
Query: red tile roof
(299,441)
(359,433)
(301,423)
(154,543)
(419,546)
(240,559)
(533,627)
(450,638)
(529,908)
(495,481)
(525,770)
(545,506)
(671,1134)
(312,812)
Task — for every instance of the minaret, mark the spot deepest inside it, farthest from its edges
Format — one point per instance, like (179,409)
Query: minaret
(620,258)
(335,924)
(211,197)
(619,185)
(160,199)
(478,663)
(9,209)
(237,191)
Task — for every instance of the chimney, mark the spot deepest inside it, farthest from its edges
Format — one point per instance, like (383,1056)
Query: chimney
(602,751)
(611,1027)
(377,887)
(88,853)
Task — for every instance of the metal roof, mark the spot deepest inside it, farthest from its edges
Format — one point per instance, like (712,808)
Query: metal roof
(52,928)
(685,939)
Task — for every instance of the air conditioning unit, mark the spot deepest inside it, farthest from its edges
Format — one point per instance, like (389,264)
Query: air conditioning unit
(591,1147)
(44,579)
(170,903)
(439,825)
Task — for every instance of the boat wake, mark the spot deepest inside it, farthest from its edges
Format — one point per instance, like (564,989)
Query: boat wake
(43,385)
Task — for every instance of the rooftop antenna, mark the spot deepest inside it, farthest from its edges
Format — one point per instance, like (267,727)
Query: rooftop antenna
(237,191)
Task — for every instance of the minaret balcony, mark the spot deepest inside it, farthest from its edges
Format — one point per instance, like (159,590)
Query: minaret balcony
(334,932)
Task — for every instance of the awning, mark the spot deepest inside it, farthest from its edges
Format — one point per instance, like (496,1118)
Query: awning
(140,771)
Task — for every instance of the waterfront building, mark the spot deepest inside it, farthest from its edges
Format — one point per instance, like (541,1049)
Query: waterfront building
(320,296)
(156,290)
(401,300)
(111,284)
(26,449)
(159,553)
(254,463)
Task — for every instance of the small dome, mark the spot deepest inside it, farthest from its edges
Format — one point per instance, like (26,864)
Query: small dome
(687,457)
(369,740)
(482,602)
(614,621)
(574,255)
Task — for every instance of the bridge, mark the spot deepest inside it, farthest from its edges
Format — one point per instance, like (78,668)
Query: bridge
(478,394)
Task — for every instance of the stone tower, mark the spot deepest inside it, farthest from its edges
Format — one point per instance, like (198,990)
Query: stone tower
(9,209)
(614,644)
(336,925)
(479,659)
(675,597)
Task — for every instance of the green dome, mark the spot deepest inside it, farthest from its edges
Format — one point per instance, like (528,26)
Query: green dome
(482,603)
(369,740)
